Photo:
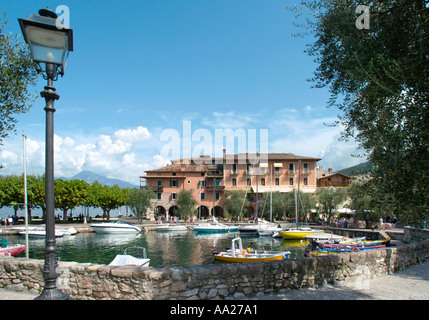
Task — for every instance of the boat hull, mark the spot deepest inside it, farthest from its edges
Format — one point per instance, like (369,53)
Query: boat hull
(250,258)
(12,250)
(110,230)
(215,229)
(170,228)
(296,234)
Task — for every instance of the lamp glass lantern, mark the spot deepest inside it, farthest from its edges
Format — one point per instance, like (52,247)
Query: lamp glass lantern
(50,41)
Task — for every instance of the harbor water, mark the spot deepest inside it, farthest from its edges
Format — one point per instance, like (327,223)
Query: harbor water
(165,249)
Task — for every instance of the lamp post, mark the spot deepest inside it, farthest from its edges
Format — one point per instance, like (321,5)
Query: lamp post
(50,42)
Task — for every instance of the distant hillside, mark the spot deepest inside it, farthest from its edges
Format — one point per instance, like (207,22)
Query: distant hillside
(361,168)
(90,177)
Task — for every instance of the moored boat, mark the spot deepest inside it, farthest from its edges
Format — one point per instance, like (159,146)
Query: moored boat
(114,227)
(297,233)
(40,232)
(10,250)
(238,255)
(169,227)
(127,259)
(214,227)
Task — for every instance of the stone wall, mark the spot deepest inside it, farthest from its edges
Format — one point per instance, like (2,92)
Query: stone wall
(215,281)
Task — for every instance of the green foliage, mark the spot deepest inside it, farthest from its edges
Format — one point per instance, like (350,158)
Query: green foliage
(234,202)
(107,198)
(379,80)
(364,198)
(139,201)
(329,200)
(17,76)
(186,204)
(70,194)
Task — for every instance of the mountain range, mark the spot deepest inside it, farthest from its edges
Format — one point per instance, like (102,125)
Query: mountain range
(90,177)
(361,168)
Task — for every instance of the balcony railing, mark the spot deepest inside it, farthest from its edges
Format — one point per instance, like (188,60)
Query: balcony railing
(154,188)
(216,188)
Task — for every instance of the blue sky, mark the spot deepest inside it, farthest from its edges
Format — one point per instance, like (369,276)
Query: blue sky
(142,67)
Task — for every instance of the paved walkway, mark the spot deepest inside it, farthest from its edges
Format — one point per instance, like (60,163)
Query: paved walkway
(409,284)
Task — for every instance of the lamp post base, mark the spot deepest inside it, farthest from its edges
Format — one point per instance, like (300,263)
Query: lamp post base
(53,294)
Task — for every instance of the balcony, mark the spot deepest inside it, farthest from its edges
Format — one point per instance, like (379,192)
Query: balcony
(214,188)
(154,188)
(306,171)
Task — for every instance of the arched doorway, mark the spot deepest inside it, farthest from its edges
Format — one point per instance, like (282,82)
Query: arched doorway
(172,212)
(218,212)
(205,212)
(159,211)
(249,212)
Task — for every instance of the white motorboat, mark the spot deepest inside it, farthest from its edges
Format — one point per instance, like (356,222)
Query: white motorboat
(40,232)
(169,227)
(261,228)
(214,227)
(67,231)
(114,227)
(127,259)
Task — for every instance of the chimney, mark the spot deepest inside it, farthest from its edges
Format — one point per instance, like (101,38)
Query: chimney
(330,170)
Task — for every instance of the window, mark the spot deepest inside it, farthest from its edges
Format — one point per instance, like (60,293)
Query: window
(249,169)
(305,181)
(174,173)
(173,183)
(249,181)
(291,167)
(234,182)
(174,196)
(262,181)
(158,195)
(202,183)
(277,182)
(234,168)
(291,181)
(306,169)
(189,181)
(203,196)
(277,170)
(159,183)
(217,195)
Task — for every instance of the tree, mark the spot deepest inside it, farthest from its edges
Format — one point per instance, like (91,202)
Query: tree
(234,202)
(186,204)
(139,201)
(70,194)
(17,76)
(329,199)
(363,198)
(11,192)
(107,198)
(379,79)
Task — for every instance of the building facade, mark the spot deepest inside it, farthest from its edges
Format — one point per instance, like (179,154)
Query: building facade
(209,178)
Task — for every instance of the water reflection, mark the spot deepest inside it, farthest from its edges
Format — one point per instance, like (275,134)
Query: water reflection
(165,249)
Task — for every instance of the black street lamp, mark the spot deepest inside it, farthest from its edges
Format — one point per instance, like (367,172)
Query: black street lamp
(50,42)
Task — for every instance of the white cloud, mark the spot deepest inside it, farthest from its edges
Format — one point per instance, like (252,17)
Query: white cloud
(117,156)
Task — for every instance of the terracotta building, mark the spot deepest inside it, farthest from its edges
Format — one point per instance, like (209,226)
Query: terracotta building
(209,178)
(332,179)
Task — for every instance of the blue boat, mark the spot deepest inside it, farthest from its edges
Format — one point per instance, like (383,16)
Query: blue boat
(214,227)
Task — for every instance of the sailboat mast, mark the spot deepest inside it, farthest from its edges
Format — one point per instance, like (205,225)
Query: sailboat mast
(25,195)
(297,194)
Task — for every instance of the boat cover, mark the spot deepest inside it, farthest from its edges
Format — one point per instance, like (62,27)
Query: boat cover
(122,260)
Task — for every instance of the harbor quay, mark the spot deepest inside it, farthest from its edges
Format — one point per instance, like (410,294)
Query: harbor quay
(87,281)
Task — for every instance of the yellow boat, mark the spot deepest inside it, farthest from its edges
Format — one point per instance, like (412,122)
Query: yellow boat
(297,233)
(238,255)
